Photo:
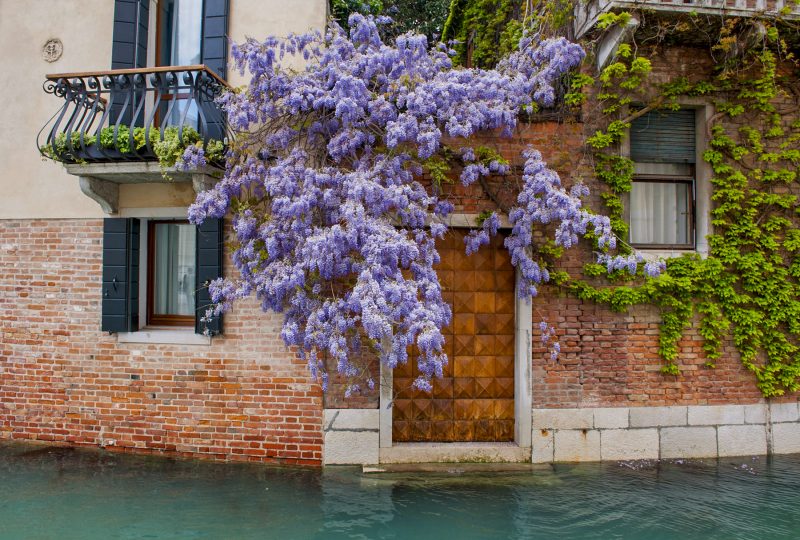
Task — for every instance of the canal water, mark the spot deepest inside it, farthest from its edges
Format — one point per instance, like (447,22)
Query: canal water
(59,493)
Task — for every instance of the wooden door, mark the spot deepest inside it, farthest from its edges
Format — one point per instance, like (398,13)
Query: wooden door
(474,401)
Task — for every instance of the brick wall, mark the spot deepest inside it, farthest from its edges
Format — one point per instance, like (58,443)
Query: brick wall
(608,359)
(243,397)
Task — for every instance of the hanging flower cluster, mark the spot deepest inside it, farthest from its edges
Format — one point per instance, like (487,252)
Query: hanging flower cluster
(332,228)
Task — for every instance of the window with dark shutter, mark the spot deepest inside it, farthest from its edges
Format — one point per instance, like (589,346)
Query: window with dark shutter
(120,308)
(168,295)
(193,32)
(129,50)
(171,268)
(215,36)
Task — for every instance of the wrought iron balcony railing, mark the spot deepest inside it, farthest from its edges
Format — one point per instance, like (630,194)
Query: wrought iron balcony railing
(586,13)
(142,114)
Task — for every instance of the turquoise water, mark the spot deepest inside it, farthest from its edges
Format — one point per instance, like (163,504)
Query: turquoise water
(86,494)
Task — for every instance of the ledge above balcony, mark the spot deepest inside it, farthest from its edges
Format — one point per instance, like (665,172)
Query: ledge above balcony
(100,181)
(587,13)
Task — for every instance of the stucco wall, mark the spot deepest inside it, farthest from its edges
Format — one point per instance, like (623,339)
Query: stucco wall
(33,187)
(261,18)
(37,188)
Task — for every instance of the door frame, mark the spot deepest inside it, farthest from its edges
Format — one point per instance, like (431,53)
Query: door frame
(523,390)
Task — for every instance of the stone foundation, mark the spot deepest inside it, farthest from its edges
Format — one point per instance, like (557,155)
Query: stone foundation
(694,431)
(351,436)
(591,434)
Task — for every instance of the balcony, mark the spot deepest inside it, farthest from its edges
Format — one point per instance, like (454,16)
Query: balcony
(129,126)
(586,13)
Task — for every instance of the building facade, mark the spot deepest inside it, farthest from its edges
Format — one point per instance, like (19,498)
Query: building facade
(101,285)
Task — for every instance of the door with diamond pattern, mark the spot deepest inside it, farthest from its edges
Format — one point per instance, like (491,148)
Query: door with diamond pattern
(474,401)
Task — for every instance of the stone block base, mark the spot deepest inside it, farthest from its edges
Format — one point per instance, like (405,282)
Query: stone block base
(696,431)
(351,437)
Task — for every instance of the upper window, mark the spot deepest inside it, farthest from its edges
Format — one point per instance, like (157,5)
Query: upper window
(662,199)
(179,39)
(180,32)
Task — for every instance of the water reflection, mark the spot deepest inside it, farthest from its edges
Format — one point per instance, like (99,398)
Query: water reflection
(64,493)
(353,505)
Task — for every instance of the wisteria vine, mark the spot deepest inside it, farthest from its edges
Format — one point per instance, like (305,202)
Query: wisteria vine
(333,228)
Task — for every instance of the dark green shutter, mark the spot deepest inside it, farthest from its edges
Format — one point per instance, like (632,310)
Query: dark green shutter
(214,49)
(214,53)
(129,50)
(664,137)
(129,45)
(209,267)
(120,275)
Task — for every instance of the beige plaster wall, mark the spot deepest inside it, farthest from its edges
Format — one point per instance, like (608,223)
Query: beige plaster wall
(31,187)
(261,18)
(156,195)
(35,188)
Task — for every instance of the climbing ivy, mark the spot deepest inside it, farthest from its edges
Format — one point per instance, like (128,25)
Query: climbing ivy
(748,286)
(486,30)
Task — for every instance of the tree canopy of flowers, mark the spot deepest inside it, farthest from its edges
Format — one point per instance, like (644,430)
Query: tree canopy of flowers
(333,228)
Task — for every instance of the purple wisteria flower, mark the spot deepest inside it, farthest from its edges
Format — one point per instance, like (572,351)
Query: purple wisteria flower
(194,157)
(332,228)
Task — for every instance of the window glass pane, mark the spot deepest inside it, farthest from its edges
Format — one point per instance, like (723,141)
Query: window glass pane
(660,213)
(174,269)
(182,32)
(178,113)
(181,35)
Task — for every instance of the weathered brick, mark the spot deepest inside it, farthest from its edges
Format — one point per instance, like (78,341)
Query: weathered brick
(63,380)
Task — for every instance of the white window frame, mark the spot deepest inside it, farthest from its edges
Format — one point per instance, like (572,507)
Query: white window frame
(178,335)
(702,185)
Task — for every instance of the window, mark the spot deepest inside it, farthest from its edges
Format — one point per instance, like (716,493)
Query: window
(186,32)
(179,43)
(179,32)
(171,262)
(661,205)
(661,213)
(171,253)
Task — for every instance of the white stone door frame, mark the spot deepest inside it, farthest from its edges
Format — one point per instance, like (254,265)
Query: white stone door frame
(364,436)
(519,450)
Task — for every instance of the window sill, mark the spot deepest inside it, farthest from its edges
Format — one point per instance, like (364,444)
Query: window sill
(652,254)
(164,337)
